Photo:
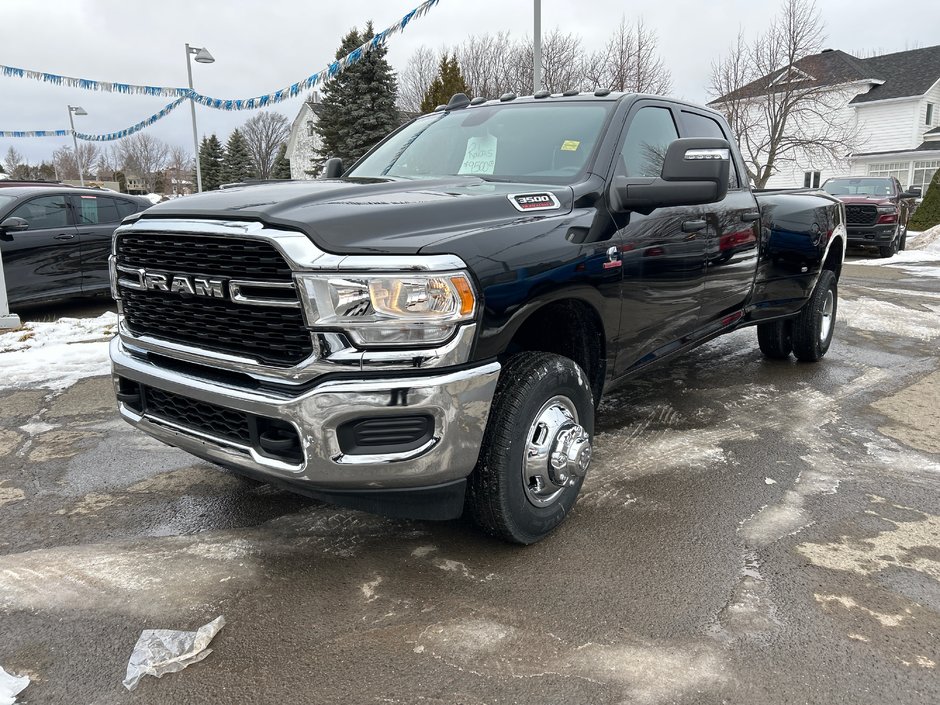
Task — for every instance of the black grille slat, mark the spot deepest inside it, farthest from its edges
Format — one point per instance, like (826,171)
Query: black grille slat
(211,419)
(273,335)
(233,258)
(861,215)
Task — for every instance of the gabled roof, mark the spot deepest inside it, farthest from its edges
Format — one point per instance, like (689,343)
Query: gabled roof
(828,68)
(906,73)
(899,75)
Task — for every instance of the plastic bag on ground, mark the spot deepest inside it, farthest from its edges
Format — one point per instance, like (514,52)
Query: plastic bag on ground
(11,686)
(160,651)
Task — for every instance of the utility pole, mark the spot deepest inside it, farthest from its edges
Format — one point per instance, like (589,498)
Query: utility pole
(537,48)
(76,110)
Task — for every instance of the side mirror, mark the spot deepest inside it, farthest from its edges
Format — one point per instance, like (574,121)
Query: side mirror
(332,168)
(912,192)
(695,171)
(13,225)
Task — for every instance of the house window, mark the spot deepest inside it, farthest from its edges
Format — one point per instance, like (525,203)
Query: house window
(896,170)
(310,132)
(929,120)
(810,179)
(923,173)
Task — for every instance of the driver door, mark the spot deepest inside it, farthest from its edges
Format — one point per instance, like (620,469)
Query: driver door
(44,261)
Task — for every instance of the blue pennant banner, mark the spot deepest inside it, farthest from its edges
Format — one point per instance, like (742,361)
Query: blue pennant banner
(182,94)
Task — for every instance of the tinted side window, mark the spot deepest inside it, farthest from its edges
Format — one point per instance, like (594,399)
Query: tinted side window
(125,208)
(44,212)
(96,210)
(108,210)
(702,126)
(651,131)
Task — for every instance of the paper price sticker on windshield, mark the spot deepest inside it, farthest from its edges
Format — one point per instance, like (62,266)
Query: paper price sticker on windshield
(570,146)
(480,157)
(542,201)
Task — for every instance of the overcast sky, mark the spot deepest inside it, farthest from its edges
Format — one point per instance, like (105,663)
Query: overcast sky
(261,46)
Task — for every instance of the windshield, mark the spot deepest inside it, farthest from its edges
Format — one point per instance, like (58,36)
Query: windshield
(859,187)
(5,200)
(531,142)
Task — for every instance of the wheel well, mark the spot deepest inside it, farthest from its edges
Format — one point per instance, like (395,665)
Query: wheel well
(833,260)
(571,328)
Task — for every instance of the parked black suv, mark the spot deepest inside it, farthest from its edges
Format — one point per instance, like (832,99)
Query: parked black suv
(55,240)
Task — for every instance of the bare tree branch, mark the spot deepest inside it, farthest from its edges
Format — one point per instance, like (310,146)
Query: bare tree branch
(144,155)
(264,134)
(414,81)
(780,114)
(629,62)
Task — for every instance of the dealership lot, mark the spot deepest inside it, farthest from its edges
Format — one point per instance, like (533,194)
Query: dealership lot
(750,531)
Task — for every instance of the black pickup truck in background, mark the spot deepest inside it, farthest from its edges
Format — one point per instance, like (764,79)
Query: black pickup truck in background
(433,328)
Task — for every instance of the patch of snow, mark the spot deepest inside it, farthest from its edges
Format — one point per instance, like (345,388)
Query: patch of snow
(882,317)
(56,354)
(768,481)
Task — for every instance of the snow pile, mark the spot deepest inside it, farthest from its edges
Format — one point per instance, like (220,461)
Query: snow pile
(56,354)
(922,256)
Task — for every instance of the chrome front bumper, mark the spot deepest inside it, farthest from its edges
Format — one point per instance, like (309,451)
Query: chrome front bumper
(458,401)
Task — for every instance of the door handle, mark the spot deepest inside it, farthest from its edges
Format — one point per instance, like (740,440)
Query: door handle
(750,216)
(693,226)
(64,236)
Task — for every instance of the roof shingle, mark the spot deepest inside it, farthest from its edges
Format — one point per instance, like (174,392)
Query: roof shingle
(902,74)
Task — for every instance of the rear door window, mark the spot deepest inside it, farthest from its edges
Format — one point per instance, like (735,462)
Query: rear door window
(97,210)
(697,125)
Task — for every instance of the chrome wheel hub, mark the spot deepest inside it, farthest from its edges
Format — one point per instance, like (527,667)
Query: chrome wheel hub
(557,454)
(825,324)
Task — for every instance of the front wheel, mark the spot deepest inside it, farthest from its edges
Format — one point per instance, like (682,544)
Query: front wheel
(813,327)
(536,448)
(892,249)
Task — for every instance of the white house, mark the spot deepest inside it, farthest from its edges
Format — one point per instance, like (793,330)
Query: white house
(303,143)
(892,101)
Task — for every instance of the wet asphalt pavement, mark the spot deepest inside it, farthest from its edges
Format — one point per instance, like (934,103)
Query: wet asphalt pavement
(750,532)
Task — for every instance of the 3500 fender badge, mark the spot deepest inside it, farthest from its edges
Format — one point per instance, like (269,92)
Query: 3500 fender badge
(540,201)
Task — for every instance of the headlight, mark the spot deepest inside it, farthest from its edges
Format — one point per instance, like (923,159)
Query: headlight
(397,309)
(887,209)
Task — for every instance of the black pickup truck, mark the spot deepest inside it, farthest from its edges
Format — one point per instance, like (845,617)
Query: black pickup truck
(433,328)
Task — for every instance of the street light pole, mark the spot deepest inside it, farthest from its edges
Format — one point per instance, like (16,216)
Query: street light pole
(537,48)
(203,57)
(76,110)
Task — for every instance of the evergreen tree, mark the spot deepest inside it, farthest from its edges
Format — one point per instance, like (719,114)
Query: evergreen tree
(281,168)
(449,81)
(927,214)
(236,162)
(358,106)
(210,162)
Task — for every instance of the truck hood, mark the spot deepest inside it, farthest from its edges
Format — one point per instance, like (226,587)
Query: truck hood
(866,200)
(358,216)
